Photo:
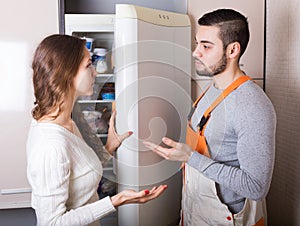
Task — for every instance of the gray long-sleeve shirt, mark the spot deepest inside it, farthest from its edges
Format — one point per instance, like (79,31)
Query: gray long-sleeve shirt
(241,140)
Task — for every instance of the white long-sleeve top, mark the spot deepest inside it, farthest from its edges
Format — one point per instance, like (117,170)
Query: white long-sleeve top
(64,173)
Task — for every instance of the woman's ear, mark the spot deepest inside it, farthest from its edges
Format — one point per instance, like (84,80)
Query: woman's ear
(234,50)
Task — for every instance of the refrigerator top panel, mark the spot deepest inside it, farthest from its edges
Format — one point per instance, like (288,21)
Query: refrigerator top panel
(158,17)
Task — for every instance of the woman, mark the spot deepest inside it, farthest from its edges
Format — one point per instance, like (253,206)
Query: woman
(63,171)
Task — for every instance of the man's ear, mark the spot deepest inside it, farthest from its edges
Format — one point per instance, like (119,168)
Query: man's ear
(233,50)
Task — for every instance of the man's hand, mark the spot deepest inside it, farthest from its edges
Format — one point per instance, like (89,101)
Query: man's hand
(178,151)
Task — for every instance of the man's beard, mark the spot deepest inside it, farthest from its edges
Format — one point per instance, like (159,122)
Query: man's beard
(213,70)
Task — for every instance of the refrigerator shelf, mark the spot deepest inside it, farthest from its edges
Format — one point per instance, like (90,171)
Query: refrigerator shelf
(101,135)
(104,75)
(108,168)
(103,78)
(94,101)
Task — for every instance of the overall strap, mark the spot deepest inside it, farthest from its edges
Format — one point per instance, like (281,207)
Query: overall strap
(219,99)
(196,103)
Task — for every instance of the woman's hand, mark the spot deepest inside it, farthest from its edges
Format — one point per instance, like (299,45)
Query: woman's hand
(114,140)
(131,196)
(178,151)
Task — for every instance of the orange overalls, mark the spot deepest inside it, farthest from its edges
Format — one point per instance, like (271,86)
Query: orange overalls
(200,203)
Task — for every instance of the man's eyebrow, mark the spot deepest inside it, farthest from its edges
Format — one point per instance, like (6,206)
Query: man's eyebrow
(206,41)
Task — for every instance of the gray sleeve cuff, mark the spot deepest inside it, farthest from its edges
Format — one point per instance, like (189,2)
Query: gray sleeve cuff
(199,162)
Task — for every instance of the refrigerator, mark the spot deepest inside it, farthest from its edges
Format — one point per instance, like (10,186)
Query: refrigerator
(148,68)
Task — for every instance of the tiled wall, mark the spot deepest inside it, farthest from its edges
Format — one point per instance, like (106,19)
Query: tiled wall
(283,88)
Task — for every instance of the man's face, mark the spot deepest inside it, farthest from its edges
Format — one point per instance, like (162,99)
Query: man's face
(210,58)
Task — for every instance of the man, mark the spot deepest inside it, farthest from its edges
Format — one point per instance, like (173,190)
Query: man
(229,155)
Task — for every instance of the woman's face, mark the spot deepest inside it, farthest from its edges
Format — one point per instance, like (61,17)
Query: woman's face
(84,80)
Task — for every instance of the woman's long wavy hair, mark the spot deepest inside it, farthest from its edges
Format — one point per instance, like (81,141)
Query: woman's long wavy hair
(55,65)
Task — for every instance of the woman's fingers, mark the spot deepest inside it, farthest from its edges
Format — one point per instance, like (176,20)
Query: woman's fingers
(112,119)
(123,136)
(144,195)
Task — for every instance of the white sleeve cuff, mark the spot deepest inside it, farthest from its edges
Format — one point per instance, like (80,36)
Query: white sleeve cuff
(102,208)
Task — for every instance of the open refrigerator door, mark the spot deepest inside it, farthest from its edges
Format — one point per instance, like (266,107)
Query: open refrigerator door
(152,78)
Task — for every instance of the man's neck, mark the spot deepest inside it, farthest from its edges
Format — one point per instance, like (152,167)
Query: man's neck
(221,81)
